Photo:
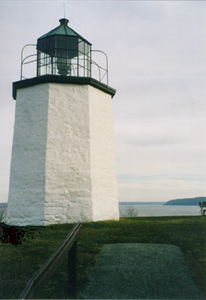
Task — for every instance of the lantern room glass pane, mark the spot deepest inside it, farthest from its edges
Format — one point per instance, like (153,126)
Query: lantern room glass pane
(81,46)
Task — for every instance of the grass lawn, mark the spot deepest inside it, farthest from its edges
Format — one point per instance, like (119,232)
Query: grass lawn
(19,263)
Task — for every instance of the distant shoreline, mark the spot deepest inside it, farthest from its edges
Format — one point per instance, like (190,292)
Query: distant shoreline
(141,203)
(177,202)
(182,202)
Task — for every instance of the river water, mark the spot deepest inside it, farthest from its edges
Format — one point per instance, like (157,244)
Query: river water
(158,210)
(154,210)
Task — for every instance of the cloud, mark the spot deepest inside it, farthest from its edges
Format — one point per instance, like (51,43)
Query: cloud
(160,146)
(159,188)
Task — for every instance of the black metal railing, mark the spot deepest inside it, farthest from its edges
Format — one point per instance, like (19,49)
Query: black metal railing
(68,246)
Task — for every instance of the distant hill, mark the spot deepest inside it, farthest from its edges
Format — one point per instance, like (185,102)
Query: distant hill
(186,201)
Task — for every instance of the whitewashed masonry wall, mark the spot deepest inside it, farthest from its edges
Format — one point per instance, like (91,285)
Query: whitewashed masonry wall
(63,167)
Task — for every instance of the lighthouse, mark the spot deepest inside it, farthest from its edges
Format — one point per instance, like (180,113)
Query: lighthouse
(63,167)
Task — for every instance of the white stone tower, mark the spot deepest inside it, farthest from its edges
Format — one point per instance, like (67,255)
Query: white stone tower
(63,167)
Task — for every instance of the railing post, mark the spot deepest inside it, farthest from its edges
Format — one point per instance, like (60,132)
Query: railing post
(68,247)
(72,258)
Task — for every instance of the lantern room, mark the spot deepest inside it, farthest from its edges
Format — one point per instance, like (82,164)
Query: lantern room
(63,52)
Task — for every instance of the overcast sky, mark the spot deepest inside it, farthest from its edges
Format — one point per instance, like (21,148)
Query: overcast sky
(157,64)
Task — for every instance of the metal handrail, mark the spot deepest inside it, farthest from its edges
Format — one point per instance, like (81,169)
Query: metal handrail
(68,246)
(100,51)
(93,62)
(99,69)
(24,61)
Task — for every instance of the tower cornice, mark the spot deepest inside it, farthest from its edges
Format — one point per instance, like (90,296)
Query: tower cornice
(62,79)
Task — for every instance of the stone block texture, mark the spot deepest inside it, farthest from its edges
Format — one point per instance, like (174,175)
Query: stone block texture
(63,167)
